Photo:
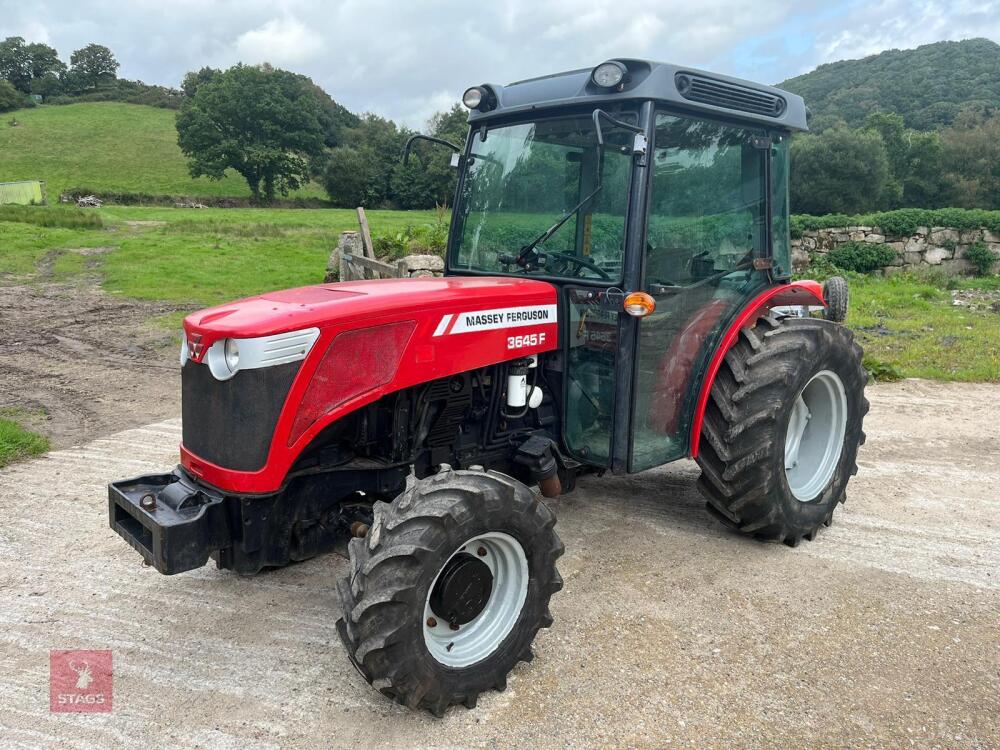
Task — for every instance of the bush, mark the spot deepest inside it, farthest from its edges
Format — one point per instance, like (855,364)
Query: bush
(879,371)
(11,98)
(862,257)
(981,258)
(427,239)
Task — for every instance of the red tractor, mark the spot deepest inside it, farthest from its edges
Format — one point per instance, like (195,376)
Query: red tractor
(619,245)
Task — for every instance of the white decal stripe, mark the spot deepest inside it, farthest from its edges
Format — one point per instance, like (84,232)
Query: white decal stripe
(504,317)
(443,325)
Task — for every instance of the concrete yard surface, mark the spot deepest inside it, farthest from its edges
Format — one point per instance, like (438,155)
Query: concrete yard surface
(670,631)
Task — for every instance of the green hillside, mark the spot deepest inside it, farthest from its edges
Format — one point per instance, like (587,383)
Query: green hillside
(927,85)
(106,146)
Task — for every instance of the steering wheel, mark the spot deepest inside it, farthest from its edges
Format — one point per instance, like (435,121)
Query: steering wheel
(580,262)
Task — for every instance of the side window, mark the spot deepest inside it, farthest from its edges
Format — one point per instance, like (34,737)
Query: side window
(708,211)
(779,207)
(707,222)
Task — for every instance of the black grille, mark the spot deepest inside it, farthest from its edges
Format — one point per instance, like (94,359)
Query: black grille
(728,95)
(231,422)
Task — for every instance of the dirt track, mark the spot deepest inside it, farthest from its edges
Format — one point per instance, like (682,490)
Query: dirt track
(670,632)
(77,363)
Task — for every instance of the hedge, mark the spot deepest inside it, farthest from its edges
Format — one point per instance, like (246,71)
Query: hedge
(904,221)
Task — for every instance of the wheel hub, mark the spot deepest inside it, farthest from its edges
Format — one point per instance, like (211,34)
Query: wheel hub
(814,438)
(462,590)
(476,599)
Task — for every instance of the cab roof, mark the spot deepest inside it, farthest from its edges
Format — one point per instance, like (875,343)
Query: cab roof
(677,86)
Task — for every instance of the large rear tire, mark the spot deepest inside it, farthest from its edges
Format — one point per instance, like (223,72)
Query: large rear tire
(782,428)
(449,588)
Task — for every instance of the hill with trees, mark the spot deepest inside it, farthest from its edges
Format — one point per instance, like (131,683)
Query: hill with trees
(905,128)
(108,147)
(928,86)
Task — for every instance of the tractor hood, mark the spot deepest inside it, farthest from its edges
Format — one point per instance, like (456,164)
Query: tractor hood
(353,301)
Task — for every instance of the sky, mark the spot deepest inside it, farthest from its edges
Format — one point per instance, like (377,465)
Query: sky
(407,60)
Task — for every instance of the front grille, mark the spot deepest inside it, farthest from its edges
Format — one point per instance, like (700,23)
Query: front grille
(231,422)
(728,95)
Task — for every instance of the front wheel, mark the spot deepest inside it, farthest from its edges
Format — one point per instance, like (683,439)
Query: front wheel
(782,428)
(449,588)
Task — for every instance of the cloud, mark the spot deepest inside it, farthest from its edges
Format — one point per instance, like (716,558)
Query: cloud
(404,60)
(901,25)
(284,41)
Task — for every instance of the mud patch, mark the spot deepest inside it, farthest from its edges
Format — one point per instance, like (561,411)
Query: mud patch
(85,362)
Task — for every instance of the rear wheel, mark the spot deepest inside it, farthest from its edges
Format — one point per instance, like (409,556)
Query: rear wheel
(449,588)
(782,428)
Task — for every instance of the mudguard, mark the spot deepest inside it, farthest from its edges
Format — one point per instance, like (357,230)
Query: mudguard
(795,293)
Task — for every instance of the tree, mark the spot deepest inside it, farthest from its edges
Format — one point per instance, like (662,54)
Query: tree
(838,171)
(926,183)
(260,121)
(347,177)
(916,170)
(44,60)
(47,86)
(93,65)
(15,63)
(379,143)
(429,179)
(10,97)
(196,78)
(971,149)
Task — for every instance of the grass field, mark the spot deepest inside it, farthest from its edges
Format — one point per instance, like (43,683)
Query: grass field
(106,146)
(907,324)
(196,256)
(16,442)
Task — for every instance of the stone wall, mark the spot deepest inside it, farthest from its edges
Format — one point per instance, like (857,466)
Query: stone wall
(938,247)
(410,265)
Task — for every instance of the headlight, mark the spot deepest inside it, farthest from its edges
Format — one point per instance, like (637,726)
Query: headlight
(473,97)
(609,74)
(228,356)
(223,359)
(232,355)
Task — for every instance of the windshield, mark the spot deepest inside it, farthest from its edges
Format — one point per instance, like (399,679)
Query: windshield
(523,179)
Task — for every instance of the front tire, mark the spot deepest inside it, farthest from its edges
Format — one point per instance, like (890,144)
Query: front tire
(782,428)
(449,588)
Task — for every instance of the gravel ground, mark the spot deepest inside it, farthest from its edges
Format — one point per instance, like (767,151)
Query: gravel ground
(670,631)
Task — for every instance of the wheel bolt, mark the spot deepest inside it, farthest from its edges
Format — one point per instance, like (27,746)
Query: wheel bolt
(481,551)
(453,626)
(431,622)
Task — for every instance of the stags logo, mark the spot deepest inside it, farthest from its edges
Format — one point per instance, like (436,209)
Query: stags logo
(80,681)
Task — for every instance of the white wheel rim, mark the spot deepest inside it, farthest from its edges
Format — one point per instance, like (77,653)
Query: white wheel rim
(814,439)
(477,639)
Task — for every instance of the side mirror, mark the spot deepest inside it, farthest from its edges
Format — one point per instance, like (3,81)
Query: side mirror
(421,137)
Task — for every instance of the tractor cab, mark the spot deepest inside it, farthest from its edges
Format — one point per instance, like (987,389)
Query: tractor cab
(635,180)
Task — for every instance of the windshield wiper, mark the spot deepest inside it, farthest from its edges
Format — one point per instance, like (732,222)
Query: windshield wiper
(544,236)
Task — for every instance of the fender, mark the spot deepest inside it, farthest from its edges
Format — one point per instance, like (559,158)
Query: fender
(376,337)
(795,293)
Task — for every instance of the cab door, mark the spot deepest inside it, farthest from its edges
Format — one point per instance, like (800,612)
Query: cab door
(708,222)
